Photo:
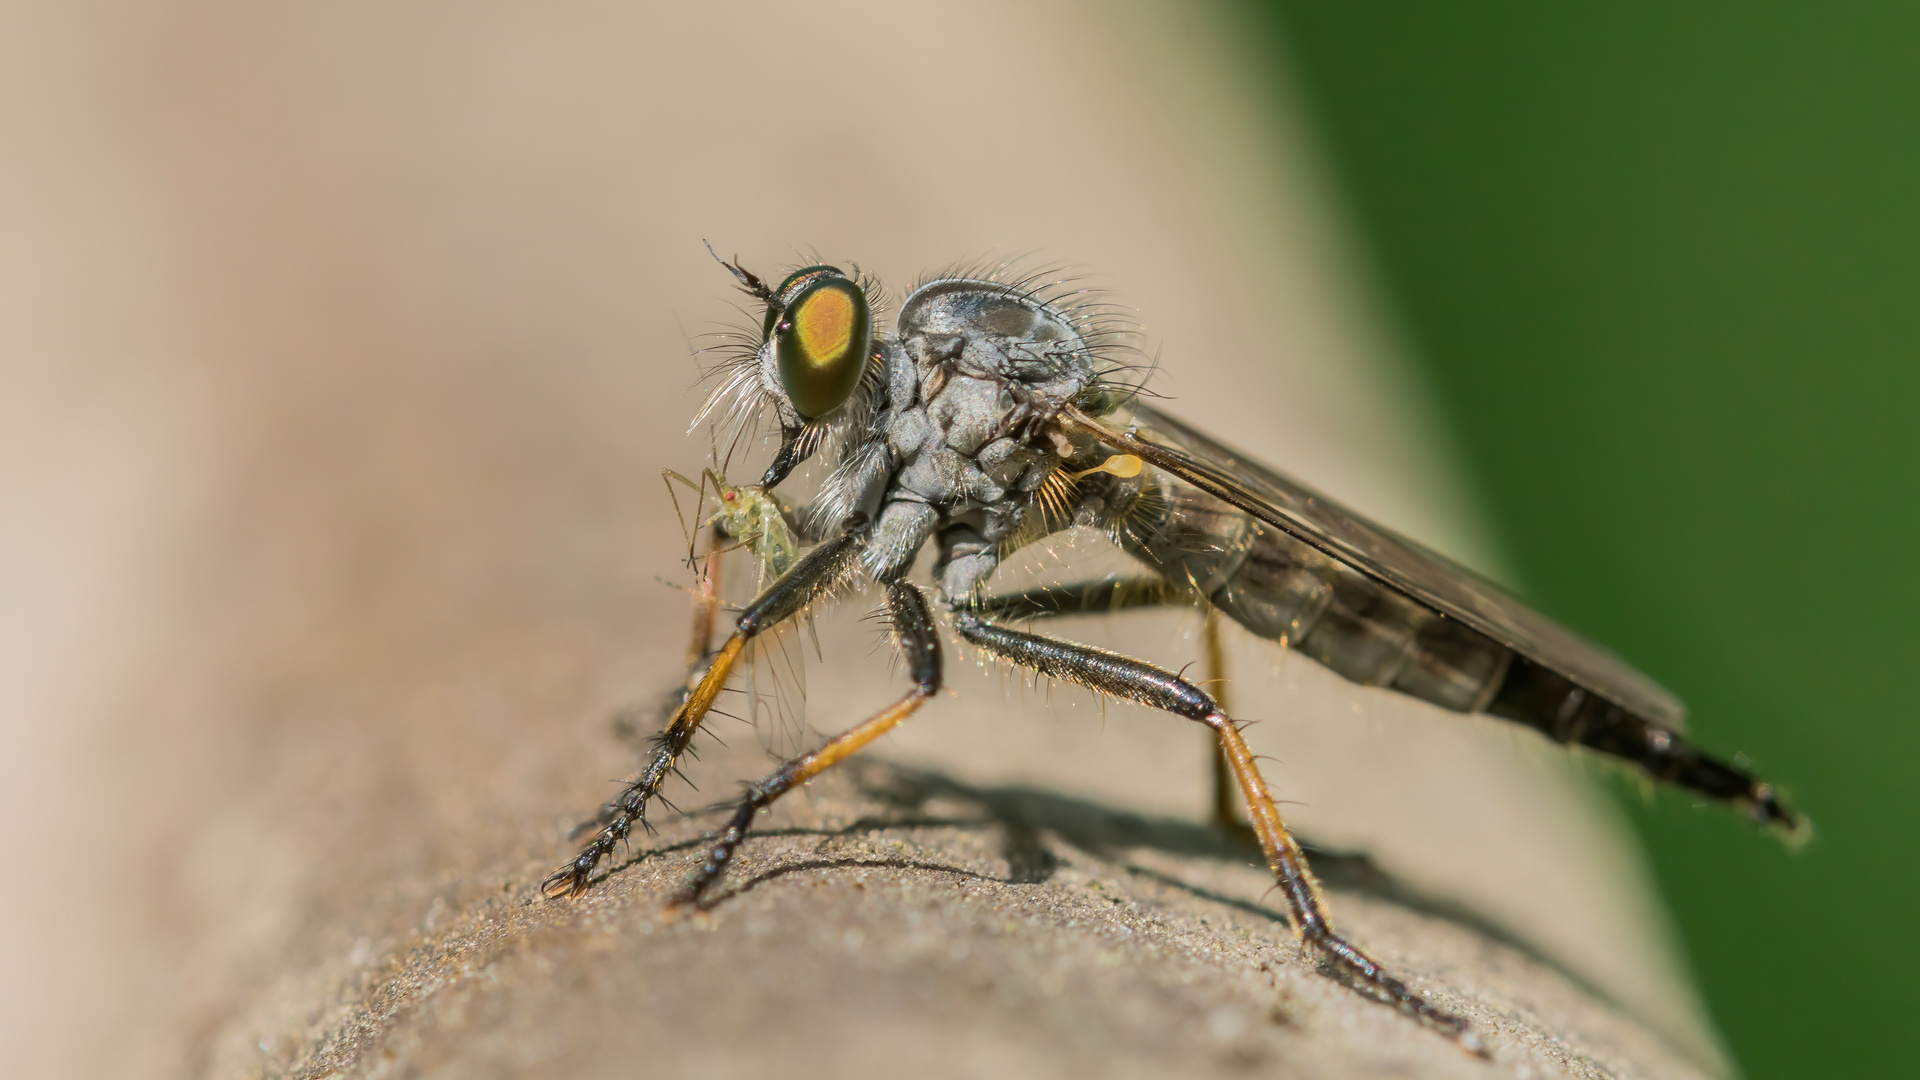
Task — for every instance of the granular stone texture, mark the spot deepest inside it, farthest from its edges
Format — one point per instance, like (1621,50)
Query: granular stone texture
(891,921)
(343,345)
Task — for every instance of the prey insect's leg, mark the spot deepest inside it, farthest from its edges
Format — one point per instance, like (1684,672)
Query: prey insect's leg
(919,644)
(1157,688)
(818,571)
(706,602)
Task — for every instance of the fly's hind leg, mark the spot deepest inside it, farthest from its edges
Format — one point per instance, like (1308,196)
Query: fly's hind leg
(1132,594)
(1110,673)
(816,572)
(1101,597)
(919,644)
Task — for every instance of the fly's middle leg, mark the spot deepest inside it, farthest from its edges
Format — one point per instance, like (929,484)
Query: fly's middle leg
(1225,814)
(1143,683)
(816,573)
(919,644)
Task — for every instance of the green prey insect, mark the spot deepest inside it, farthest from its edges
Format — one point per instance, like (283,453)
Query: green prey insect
(748,513)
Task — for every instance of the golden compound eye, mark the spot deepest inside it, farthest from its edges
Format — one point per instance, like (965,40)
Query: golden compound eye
(822,332)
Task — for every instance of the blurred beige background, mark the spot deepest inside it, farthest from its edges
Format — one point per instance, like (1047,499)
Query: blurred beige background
(341,347)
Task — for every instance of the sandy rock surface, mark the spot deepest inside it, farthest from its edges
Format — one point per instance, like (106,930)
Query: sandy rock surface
(891,919)
(343,346)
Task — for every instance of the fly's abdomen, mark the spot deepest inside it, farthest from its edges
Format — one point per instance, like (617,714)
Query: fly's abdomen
(1284,590)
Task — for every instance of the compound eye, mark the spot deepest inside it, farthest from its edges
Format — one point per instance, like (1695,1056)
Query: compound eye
(821,338)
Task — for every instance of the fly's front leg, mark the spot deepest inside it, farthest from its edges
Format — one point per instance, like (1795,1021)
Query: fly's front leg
(706,605)
(919,644)
(1110,673)
(816,572)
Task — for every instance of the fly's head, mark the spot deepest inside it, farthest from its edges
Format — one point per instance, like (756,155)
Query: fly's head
(999,357)
(815,363)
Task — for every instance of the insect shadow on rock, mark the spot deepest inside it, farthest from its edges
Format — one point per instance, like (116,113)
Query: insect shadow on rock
(1003,408)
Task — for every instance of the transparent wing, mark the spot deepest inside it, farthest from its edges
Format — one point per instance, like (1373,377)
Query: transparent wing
(773,690)
(1386,556)
(749,531)
(769,688)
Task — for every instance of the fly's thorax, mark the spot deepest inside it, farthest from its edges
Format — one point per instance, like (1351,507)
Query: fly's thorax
(962,450)
(994,330)
(995,365)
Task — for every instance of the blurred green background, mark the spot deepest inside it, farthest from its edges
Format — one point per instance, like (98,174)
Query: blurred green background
(1663,261)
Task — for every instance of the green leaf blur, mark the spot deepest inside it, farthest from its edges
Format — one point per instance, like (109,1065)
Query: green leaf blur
(1663,262)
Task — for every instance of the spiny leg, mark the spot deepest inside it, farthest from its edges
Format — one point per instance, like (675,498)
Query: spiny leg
(816,572)
(1129,594)
(919,643)
(706,605)
(1101,597)
(1110,673)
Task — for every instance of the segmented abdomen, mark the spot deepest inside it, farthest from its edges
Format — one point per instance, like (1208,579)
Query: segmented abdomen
(1284,590)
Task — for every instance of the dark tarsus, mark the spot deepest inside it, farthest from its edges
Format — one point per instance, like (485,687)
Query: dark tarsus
(1145,684)
(816,573)
(918,641)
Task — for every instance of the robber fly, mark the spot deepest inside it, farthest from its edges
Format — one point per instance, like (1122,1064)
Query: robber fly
(996,413)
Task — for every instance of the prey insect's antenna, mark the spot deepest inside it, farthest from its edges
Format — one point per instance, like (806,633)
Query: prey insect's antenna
(748,279)
(668,476)
(721,465)
(743,515)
